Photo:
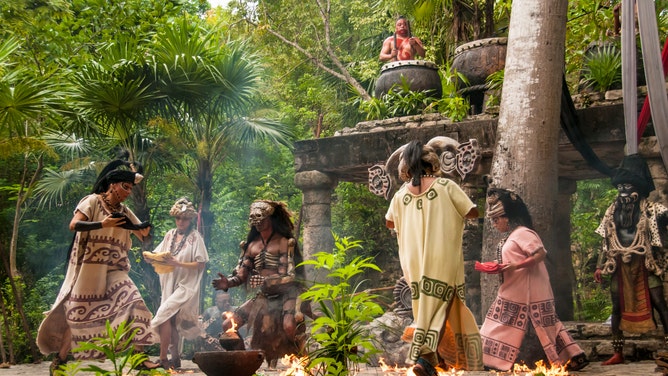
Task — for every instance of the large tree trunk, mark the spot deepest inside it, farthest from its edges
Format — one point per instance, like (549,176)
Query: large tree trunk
(525,159)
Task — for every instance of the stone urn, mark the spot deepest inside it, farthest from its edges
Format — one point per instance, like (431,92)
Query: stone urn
(229,363)
(476,61)
(421,75)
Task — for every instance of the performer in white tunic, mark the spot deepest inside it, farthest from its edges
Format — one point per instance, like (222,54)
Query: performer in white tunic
(179,260)
(428,214)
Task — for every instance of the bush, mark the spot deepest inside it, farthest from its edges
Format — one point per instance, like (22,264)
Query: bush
(345,310)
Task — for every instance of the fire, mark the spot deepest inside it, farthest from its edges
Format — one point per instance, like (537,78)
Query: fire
(296,365)
(518,370)
(541,369)
(233,328)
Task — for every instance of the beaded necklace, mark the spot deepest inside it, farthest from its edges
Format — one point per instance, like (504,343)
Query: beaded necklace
(176,251)
(112,208)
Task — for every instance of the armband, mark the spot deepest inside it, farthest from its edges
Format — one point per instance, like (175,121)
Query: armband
(87,226)
(233,281)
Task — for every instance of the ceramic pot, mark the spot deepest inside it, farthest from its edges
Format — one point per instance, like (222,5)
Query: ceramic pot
(421,76)
(476,61)
(229,363)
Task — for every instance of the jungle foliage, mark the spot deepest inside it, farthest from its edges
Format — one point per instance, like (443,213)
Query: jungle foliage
(82,81)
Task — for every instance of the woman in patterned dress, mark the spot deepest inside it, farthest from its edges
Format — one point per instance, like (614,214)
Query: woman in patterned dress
(525,297)
(97,288)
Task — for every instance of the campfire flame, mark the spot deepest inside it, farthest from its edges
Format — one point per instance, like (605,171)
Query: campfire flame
(518,370)
(296,365)
(541,369)
(233,328)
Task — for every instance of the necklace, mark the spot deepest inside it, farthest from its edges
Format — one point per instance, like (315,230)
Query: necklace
(112,207)
(176,251)
(263,252)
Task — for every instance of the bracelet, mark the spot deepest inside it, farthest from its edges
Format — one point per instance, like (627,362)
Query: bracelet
(87,226)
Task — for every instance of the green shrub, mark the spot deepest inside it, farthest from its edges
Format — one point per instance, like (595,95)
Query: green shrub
(117,348)
(345,310)
(603,68)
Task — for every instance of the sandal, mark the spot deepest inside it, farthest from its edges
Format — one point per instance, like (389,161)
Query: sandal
(424,368)
(577,363)
(56,363)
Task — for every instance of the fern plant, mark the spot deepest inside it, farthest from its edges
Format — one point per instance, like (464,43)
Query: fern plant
(116,347)
(340,330)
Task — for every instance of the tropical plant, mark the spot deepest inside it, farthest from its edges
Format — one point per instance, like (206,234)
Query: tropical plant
(603,68)
(591,199)
(340,334)
(210,87)
(117,347)
(374,108)
(402,101)
(494,85)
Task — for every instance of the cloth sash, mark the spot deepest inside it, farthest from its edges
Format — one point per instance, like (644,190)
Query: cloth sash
(634,297)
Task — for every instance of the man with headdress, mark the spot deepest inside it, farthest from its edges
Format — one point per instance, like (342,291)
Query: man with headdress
(179,260)
(268,262)
(632,254)
(97,288)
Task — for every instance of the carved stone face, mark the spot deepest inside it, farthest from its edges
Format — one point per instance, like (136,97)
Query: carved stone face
(259,211)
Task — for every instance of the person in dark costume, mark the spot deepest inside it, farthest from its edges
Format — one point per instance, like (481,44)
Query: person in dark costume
(268,263)
(632,254)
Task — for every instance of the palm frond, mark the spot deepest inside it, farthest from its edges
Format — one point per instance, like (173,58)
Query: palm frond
(52,187)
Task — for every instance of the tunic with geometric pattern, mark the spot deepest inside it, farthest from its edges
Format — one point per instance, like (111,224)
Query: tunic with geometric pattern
(97,287)
(429,229)
(524,297)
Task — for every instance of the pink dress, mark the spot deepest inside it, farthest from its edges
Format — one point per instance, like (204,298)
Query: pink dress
(525,296)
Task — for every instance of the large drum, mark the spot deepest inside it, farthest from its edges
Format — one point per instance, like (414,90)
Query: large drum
(421,75)
(476,61)
(480,58)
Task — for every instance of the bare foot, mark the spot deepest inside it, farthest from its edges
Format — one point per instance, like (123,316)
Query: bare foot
(617,358)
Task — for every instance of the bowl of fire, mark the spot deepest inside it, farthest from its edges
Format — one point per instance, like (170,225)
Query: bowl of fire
(229,363)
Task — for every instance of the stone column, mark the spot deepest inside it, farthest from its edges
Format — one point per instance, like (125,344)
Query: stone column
(559,261)
(317,188)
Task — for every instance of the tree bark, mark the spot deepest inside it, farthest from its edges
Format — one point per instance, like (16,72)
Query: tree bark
(525,159)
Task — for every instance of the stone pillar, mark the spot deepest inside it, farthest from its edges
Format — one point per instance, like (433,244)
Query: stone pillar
(559,261)
(317,188)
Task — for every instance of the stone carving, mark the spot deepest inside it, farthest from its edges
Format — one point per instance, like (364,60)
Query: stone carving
(457,161)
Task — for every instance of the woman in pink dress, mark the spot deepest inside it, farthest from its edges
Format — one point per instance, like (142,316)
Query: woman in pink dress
(525,297)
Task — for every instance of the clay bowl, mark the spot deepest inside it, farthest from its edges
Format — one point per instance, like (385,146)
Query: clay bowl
(229,363)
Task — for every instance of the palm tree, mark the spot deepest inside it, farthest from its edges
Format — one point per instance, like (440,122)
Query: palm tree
(28,104)
(209,88)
